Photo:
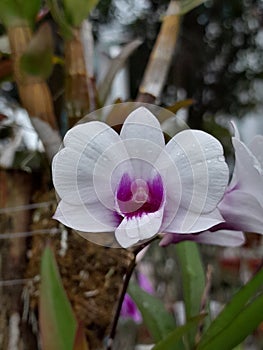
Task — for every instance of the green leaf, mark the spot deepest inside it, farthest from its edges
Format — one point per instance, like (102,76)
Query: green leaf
(78,10)
(158,321)
(59,16)
(80,342)
(193,280)
(188,5)
(180,104)
(240,315)
(37,59)
(57,321)
(18,12)
(174,340)
(236,331)
(29,8)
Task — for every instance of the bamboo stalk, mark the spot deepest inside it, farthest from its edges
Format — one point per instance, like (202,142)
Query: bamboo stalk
(33,90)
(81,96)
(161,56)
(77,98)
(88,50)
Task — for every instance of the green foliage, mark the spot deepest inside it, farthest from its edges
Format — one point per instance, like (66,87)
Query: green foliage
(193,280)
(57,321)
(59,16)
(180,104)
(78,10)
(238,319)
(174,340)
(158,321)
(17,12)
(37,59)
(70,14)
(188,5)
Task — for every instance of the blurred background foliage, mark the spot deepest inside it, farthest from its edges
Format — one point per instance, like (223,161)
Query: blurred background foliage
(217,63)
(218,60)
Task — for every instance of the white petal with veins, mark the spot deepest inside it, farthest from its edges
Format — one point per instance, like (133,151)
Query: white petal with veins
(94,218)
(132,230)
(195,175)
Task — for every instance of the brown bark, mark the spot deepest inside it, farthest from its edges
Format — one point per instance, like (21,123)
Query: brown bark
(81,95)
(16,188)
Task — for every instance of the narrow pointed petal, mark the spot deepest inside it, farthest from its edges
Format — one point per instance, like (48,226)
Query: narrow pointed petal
(248,174)
(242,211)
(235,129)
(256,147)
(132,230)
(222,238)
(96,218)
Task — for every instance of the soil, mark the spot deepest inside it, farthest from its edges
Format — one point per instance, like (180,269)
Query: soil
(92,275)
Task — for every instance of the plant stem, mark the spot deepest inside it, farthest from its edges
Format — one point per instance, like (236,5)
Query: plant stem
(118,310)
(124,290)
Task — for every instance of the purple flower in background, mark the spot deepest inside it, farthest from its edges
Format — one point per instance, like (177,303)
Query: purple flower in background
(133,184)
(242,204)
(129,308)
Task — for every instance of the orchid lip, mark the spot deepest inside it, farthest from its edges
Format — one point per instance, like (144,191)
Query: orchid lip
(136,197)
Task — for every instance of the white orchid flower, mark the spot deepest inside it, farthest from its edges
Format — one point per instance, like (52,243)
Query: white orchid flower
(133,185)
(242,204)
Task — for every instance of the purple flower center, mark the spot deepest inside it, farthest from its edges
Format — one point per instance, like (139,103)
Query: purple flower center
(135,197)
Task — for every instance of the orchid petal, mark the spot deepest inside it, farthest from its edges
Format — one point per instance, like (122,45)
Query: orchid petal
(96,218)
(99,134)
(248,174)
(142,124)
(221,238)
(195,175)
(64,172)
(236,131)
(242,211)
(142,135)
(89,167)
(132,230)
(256,147)
(187,222)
